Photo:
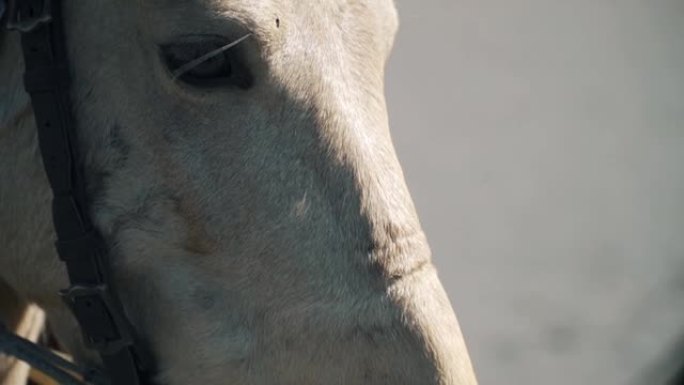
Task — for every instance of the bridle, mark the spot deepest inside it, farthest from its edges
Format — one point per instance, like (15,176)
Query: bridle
(92,296)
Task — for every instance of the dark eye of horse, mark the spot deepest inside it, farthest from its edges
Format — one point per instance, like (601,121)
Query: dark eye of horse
(225,68)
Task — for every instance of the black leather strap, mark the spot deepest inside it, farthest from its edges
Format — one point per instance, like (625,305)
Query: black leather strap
(43,359)
(91,296)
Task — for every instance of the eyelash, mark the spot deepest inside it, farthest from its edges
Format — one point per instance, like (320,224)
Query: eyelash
(207,62)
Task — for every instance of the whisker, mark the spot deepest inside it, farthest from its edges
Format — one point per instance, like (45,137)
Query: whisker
(194,63)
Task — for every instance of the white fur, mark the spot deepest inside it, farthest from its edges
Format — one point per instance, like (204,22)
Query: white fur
(258,237)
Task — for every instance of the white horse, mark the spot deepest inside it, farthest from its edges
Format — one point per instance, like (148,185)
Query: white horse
(256,215)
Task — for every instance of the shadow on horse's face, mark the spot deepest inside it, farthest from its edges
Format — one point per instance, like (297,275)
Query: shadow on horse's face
(257,218)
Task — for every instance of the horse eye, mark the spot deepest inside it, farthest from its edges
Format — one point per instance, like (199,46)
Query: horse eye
(188,62)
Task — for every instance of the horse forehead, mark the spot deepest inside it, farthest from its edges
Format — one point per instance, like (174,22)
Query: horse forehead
(314,11)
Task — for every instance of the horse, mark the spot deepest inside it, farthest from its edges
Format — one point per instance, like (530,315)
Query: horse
(255,213)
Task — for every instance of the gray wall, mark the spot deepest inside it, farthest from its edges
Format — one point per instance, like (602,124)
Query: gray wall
(543,142)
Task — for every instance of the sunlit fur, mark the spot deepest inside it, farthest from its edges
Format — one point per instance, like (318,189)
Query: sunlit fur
(260,236)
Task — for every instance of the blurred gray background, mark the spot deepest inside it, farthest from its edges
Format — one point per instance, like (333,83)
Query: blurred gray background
(543,143)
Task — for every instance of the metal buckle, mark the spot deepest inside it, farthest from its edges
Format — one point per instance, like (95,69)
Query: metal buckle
(37,12)
(102,323)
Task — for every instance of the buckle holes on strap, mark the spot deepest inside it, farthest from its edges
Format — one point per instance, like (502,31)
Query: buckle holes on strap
(33,49)
(47,124)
